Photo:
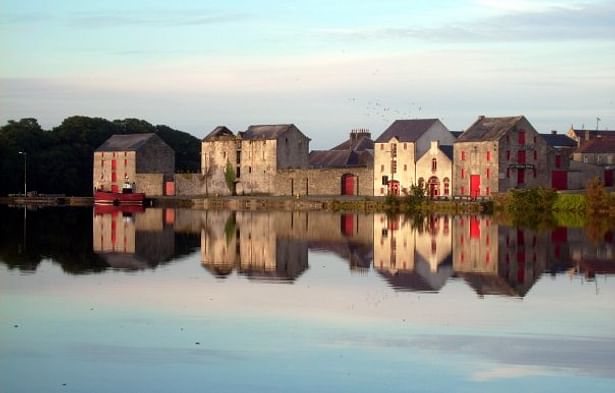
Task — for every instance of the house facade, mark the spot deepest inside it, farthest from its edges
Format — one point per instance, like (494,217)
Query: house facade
(143,159)
(254,156)
(496,154)
(435,170)
(397,150)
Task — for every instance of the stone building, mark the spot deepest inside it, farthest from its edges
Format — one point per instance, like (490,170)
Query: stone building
(582,136)
(144,159)
(435,170)
(397,150)
(255,156)
(599,152)
(496,154)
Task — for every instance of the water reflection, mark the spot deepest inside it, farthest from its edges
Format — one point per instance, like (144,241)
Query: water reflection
(410,254)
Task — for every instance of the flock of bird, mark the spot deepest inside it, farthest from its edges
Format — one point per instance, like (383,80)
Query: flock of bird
(382,111)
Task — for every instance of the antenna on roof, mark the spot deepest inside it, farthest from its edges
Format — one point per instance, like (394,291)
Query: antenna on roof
(597,123)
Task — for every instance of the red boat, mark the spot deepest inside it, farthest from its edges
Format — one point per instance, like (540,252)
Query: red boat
(126,197)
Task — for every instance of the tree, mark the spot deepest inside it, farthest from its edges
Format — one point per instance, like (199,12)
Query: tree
(229,177)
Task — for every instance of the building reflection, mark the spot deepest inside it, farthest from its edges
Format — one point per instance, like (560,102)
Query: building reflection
(274,246)
(133,238)
(413,254)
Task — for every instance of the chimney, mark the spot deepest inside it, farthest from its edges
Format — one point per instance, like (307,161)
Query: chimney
(435,145)
(358,133)
(481,117)
(553,132)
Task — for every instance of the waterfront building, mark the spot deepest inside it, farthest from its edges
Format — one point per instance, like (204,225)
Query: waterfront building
(255,156)
(435,170)
(143,159)
(397,150)
(496,154)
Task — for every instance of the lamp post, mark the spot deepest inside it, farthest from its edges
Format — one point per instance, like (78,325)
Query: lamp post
(25,173)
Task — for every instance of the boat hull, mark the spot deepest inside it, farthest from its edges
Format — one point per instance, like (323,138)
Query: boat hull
(116,198)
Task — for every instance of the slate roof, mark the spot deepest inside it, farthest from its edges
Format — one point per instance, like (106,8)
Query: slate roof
(272,131)
(559,140)
(598,145)
(406,130)
(333,158)
(362,143)
(218,132)
(447,150)
(594,133)
(126,142)
(456,133)
(489,128)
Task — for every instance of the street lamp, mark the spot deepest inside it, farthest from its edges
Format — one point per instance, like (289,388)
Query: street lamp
(25,173)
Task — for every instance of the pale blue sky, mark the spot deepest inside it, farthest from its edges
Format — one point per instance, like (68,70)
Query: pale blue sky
(325,66)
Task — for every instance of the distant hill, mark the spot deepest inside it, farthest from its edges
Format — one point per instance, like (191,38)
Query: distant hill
(60,160)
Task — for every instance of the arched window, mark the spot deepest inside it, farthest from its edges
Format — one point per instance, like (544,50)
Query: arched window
(434,165)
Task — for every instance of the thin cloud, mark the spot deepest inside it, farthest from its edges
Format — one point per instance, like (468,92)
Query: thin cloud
(151,19)
(582,22)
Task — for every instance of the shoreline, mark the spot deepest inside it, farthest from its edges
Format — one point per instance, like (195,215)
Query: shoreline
(303,203)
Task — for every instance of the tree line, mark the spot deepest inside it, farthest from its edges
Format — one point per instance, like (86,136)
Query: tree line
(60,160)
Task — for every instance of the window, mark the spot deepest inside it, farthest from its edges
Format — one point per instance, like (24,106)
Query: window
(405,167)
(534,139)
(381,147)
(382,168)
(488,156)
(463,190)
(405,146)
(238,172)
(463,155)
(434,165)
(507,172)
(487,191)
(535,155)
(393,166)
(522,137)
(488,173)
(446,182)
(421,182)
(463,172)
(393,150)
(558,161)
(113,165)
(521,156)
(508,155)
(385,180)
(113,176)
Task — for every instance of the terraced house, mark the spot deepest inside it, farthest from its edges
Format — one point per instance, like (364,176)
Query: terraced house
(496,154)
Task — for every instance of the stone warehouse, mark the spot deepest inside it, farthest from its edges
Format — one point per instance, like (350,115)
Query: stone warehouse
(251,158)
(143,159)
(496,154)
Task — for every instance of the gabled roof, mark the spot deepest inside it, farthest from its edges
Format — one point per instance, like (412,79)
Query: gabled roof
(406,130)
(598,145)
(126,142)
(559,140)
(360,144)
(220,131)
(272,131)
(447,150)
(489,128)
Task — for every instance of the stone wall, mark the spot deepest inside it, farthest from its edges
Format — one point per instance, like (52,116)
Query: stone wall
(214,156)
(325,181)
(152,184)
(405,171)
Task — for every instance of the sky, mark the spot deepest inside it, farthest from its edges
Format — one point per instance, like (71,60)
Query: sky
(326,66)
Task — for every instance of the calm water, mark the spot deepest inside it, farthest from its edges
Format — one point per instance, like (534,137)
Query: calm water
(172,300)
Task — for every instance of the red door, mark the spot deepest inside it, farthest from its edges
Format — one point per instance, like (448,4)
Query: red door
(520,176)
(114,188)
(348,185)
(608,178)
(474,185)
(394,187)
(559,180)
